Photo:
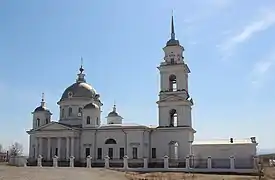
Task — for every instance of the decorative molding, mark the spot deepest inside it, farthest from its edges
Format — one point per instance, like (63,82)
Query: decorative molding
(135,144)
(87,145)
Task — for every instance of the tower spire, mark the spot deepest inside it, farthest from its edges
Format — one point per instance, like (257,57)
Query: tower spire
(81,74)
(172,28)
(172,41)
(43,100)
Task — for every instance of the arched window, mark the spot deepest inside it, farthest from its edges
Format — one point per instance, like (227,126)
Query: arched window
(63,113)
(88,120)
(70,111)
(173,118)
(37,122)
(172,83)
(110,141)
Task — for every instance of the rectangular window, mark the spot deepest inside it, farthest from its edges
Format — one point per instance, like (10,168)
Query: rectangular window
(135,152)
(99,153)
(111,153)
(87,152)
(121,153)
(56,151)
(154,153)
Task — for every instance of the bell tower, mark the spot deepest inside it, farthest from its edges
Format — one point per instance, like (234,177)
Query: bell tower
(174,101)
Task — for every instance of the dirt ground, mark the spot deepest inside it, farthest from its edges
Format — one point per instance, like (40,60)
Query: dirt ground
(49,173)
(269,175)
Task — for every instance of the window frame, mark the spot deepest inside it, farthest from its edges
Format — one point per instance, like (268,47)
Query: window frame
(154,153)
(88,120)
(121,153)
(135,152)
(99,153)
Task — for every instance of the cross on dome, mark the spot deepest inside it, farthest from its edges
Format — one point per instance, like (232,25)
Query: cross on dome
(81,75)
(81,66)
(114,107)
(43,100)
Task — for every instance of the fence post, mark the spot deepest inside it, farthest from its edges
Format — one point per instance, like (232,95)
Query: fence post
(145,163)
(88,161)
(209,162)
(255,162)
(39,161)
(25,161)
(55,161)
(232,162)
(187,162)
(107,164)
(125,162)
(72,161)
(166,162)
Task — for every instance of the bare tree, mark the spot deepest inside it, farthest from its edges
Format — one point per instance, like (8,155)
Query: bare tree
(260,169)
(16,149)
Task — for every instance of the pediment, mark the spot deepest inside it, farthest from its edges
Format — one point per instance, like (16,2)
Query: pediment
(53,127)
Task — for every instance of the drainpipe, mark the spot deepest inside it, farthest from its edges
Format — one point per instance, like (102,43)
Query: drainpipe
(150,144)
(95,143)
(143,143)
(125,141)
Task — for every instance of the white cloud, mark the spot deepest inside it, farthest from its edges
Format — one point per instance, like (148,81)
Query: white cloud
(220,4)
(266,21)
(200,13)
(263,66)
(259,73)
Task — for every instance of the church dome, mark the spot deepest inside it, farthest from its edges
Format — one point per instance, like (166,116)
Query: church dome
(91,106)
(79,89)
(173,42)
(112,114)
(41,108)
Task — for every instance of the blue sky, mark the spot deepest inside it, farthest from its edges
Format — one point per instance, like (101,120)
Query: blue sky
(230,49)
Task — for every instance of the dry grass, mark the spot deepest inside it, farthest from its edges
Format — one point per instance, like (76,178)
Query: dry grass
(269,175)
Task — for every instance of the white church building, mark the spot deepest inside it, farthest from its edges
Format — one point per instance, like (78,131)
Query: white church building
(79,132)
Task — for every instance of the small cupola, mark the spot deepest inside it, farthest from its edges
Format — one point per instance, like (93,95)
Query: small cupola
(113,117)
(42,107)
(41,114)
